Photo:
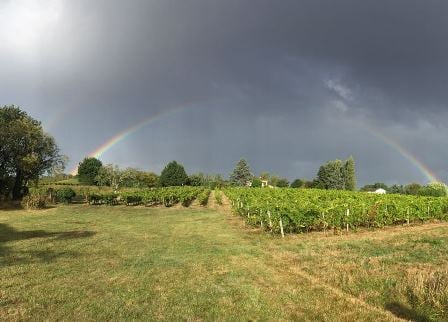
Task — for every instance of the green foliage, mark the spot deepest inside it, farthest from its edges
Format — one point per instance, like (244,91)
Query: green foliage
(435,189)
(336,175)
(134,178)
(265,175)
(395,188)
(305,210)
(310,184)
(277,181)
(375,186)
(298,183)
(173,175)
(241,174)
(203,197)
(256,183)
(412,189)
(217,182)
(282,183)
(196,180)
(349,174)
(331,176)
(65,195)
(218,197)
(111,176)
(26,151)
(167,196)
(88,170)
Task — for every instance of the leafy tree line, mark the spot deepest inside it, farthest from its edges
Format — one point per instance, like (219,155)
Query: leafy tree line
(91,171)
(435,189)
(27,153)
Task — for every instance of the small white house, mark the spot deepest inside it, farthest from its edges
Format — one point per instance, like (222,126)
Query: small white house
(379,191)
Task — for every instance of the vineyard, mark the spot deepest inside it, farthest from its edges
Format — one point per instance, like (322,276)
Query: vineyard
(168,196)
(293,210)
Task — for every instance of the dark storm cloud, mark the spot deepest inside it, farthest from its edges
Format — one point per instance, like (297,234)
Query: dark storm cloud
(287,84)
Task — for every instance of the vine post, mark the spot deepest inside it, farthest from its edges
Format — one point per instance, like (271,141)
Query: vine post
(281,227)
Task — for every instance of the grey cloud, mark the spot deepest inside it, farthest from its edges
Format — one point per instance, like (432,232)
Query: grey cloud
(288,84)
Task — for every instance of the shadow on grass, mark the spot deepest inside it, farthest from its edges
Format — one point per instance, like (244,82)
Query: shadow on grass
(10,205)
(8,256)
(402,311)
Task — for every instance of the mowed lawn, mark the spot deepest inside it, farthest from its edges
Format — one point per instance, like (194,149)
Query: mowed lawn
(122,263)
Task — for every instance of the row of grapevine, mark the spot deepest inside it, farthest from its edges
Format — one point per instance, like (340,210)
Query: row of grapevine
(149,197)
(294,210)
(203,197)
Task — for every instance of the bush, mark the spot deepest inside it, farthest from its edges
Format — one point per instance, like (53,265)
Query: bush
(34,201)
(65,195)
(298,183)
(256,183)
(436,189)
(412,189)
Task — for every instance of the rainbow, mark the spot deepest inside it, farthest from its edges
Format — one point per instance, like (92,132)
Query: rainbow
(430,175)
(127,132)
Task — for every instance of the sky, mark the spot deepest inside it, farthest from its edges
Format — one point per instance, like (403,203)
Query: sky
(285,84)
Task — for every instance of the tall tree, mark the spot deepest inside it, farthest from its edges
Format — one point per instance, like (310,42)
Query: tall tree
(88,170)
(26,151)
(330,175)
(350,174)
(173,175)
(241,174)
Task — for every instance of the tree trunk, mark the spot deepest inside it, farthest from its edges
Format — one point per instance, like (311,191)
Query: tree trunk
(17,189)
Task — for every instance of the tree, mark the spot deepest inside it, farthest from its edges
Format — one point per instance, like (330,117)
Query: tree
(396,188)
(256,183)
(26,151)
(173,175)
(196,180)
(412,189)
(435,189)
(298,183)
(349,174)
(282,183)
(135,178)
(337,174)
(330,175)
(241,174)
(218,182)
(110,175)
(265,175)
(88,170)
(149,179)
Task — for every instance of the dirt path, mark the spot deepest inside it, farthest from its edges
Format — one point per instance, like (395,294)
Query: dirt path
(212,201)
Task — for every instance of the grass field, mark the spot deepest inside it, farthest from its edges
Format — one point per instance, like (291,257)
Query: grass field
(122,263)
